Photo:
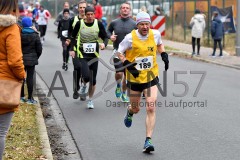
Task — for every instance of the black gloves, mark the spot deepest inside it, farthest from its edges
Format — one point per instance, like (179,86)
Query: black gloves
(131,68)
(164,56)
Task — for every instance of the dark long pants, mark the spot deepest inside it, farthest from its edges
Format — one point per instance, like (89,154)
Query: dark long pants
(194,43)
(219,42)
(42,29)
(65,52)
(76,73)
(30,70)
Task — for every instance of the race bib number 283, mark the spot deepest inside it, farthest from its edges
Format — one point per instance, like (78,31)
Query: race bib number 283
(89,47)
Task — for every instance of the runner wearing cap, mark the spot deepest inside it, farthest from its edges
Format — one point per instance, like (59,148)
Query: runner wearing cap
(141,47)
(87,46)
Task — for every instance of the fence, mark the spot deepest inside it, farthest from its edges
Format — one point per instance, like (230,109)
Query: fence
(178,13)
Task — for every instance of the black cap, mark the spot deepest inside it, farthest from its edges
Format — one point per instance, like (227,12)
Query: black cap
(65,10)
(89,9)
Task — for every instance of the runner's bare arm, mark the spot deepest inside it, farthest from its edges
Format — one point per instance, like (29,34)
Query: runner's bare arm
(160,48)
(121,56)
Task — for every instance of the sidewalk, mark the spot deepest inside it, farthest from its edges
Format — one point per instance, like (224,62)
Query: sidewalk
(226,60)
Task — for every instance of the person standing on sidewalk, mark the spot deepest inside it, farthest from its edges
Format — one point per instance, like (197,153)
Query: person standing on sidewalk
(11,62)
(63,26)
(88,31)
(141,47)
(117,30)
(32,50)
(77,66)
(217,32)
(198,26)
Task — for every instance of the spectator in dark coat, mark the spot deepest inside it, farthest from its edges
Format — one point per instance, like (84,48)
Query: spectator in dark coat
(32,50)
(217,32)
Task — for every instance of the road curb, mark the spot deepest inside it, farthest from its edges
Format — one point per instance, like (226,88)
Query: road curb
(66,138)
(43,132)
(217,63)
(201,59)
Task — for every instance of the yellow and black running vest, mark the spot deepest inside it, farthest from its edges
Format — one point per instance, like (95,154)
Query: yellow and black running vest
(144,53)
(87,35)
(75,20)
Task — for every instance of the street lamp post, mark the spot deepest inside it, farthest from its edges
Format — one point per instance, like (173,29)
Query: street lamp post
(238,30)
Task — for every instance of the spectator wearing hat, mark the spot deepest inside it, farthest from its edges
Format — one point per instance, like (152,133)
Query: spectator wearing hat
(87,49)
(198,25)
(63,26)
(32,50)
(140,60)
(217,32)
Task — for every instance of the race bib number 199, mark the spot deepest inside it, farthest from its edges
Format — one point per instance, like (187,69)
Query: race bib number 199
(144,63)
(89,47)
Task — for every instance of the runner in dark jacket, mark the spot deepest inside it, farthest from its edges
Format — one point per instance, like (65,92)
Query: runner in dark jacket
(63,26)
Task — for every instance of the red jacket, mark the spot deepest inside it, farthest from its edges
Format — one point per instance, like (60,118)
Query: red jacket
(98,11)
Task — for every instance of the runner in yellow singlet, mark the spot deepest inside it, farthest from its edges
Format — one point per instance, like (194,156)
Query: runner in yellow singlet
(141,47)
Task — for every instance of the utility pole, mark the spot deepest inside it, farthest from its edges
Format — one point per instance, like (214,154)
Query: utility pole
(238,30)
(56,8)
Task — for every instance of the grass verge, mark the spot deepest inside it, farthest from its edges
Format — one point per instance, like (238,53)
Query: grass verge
(23,141)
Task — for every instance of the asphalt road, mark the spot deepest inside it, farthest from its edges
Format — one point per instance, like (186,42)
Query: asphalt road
(188,127)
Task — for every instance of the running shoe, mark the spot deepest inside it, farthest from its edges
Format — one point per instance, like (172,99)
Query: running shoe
(148,147)
(128,119)
(63,66)
(83,93)
(23,100)
(75,95)
(125,97)
(90,104)
(118,92)
(31,101)
(66,67)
